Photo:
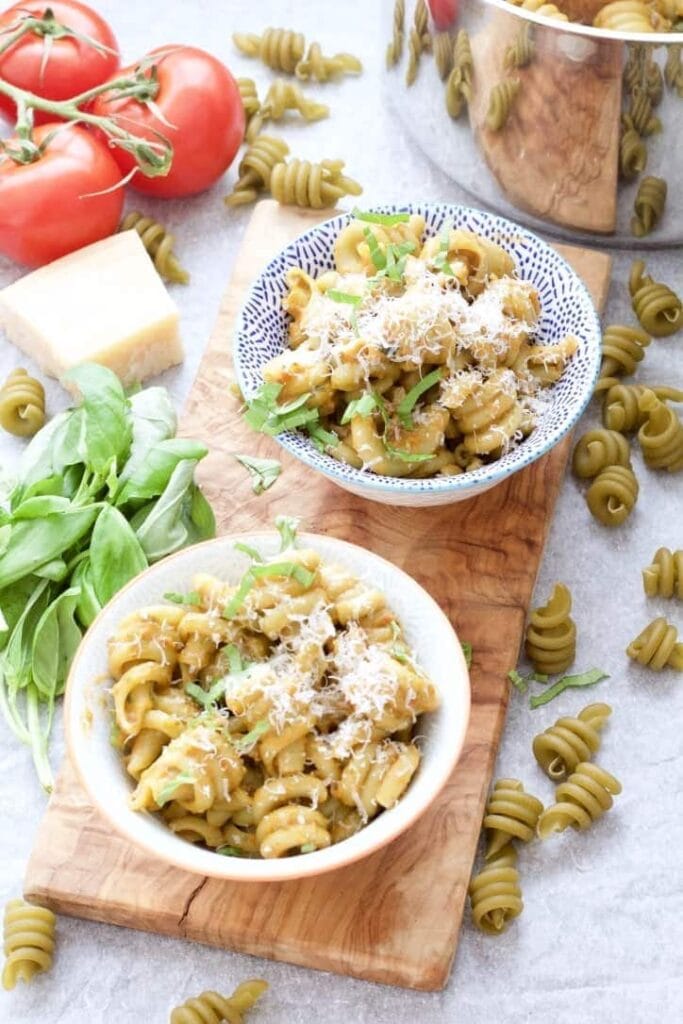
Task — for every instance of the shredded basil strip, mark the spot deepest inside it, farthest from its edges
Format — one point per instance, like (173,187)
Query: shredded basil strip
(266,416)
(230,851)
(293,569)
(320,437)
(205,697)
(248,740)
(167,792)
(363,406)
(336,296)
(407,404)
(594,675)
(308,848)
(263,472)
(467,651)
(519,682)
(287,526)
(387,219)
(376,255)
(246,549)
(192,598)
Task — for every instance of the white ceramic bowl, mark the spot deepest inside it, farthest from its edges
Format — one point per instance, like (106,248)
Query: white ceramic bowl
(88,709)
(566,308)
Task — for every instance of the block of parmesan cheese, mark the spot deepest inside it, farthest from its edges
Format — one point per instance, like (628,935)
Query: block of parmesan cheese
(104,304)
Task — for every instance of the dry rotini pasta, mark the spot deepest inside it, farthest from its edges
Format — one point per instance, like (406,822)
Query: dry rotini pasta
(320,68)
(561,748)
(520,53)
(159,244)
(622,349)
(661,434)
(252,107)
(270,717)
(673,69)
(442,48)
(317,185)
(419,40)
(510,814)
(501,102)
(580,800)
(395,46)
(640,116)
(495,894)
(255,169)
(657,646)
(279,48)
(657,307)
(390,357)
(632,154)
(22,404)
(613,494)
(664,576)
(283,96)
(459,88)
(649,205)
(621,411)
(598,449)
(29,936)
(213,1008)
(551,634)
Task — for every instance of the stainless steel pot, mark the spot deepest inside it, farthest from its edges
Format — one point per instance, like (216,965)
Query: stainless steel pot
(555,161)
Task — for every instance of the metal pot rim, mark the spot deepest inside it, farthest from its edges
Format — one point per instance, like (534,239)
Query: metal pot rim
(653,38)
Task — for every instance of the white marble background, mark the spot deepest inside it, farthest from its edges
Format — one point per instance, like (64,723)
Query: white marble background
(601,938)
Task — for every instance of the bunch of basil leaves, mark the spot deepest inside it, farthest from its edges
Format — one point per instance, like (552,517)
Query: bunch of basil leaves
(104,490)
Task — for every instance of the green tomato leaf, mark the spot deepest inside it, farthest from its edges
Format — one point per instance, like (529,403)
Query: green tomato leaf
(116,555)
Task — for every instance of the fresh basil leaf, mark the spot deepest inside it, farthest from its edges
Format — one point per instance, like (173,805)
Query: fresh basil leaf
(287,526)
(88,606)
(34,542)
(235,660)
(116,555)
(105,414)
(160,527)
(363,406)
(55,642)
(36,463)
(198,516)
(151,476)
(388,219)
(5,534)
(263,472)
(153,420)
(17,656)
(56,570)
(407,404)
(192,598)
(40,506)
(293,569)
(13,601)
(206,698)
(590,678)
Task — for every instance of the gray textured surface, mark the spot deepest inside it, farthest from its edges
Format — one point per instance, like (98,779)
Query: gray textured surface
(601,936)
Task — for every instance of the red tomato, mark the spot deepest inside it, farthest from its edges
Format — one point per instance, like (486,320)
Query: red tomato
(444,13)
(72,66)
(47,208)
(199,98)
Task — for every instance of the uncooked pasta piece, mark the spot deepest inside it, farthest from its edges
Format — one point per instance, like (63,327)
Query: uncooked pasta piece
(649,206)
(213,1008)
(159,244)
(657,307)
(673,69)
(459,83)
(325,69)
(551,633)
(520,53)
(501,102)
(632,154)
(569,741)
(29,935)
(22,404)
(598,449)
(255,169)
(620,410)
(442,48)
(613,494)
(661,435)
(252,107)
(657,646)
(622,349)
(316,185)
(580,800)
(664,576)
(283,96)
(640,115)
(495,894)
(395,46)
(279,48)
(510,814)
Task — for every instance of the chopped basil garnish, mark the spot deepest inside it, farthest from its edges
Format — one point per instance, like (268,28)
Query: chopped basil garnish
(287,526)
(363,406)
(205,697)
(519,682)
(467,651)
(230,851)
(263,472)
(293,569)
(308,848)
(376,254)
(165,794)
(388,219)
(407,404)
(320,437)
(265,415)
(336,296)
(594,675)
(192,598)
(252,737)
(247,549)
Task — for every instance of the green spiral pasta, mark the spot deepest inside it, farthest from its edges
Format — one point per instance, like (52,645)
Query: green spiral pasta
(661,435)
(632,154)
(279,48)
(622,350)
(442,48)
(316,185)
(664,576)
(520,53)
(613,494)
(510,814)
(580,800)
(159,244)
(598,449)
(501,102)
(551,634)
(494,892)
(649,206)
(283,96)
(255,169)
(325,69)
(22,404)
(395,47)
(29,935)
(213,1008)
(640,115)
(252,107)
(561,748)
(657,307)
(620,410)
(657,646)
(673,69)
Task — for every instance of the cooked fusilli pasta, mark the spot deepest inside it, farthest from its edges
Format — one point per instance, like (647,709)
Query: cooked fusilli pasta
(658,309)
(622,350)
(213,1008)
(495,894)
(561,748)
(580,800)
(395,46)
(501,102)
(613,494)
(620,410)
(657,646)
(598,449)
(325,69)
(664,576)
(415,356)
(255,169)
(649,206)
(29,935)
(279,48)
(269,717)
(510,814)
(302,183)
(625,16)
(546,10)
(551,633)
(661,434)
(159,244)
(22,404)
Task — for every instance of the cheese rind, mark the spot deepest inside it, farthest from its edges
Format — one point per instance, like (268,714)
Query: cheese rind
(104,304)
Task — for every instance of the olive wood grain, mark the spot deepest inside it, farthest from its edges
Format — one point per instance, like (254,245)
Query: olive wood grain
(394,917)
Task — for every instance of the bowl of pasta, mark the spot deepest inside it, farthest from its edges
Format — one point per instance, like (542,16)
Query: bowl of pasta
(255,708)
(417,355)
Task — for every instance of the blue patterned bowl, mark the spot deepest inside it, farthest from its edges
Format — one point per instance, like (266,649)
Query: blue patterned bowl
(566,308)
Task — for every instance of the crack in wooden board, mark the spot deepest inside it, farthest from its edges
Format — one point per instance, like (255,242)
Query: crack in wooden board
(393,917)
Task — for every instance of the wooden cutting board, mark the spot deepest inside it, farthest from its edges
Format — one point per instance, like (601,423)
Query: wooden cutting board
(394,917)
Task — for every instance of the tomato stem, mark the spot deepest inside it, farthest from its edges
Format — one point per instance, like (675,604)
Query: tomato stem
(49,28)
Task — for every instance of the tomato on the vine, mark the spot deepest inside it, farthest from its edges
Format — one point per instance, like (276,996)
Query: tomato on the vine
(56,67)
(201,115)
(444,13)
(50,206)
